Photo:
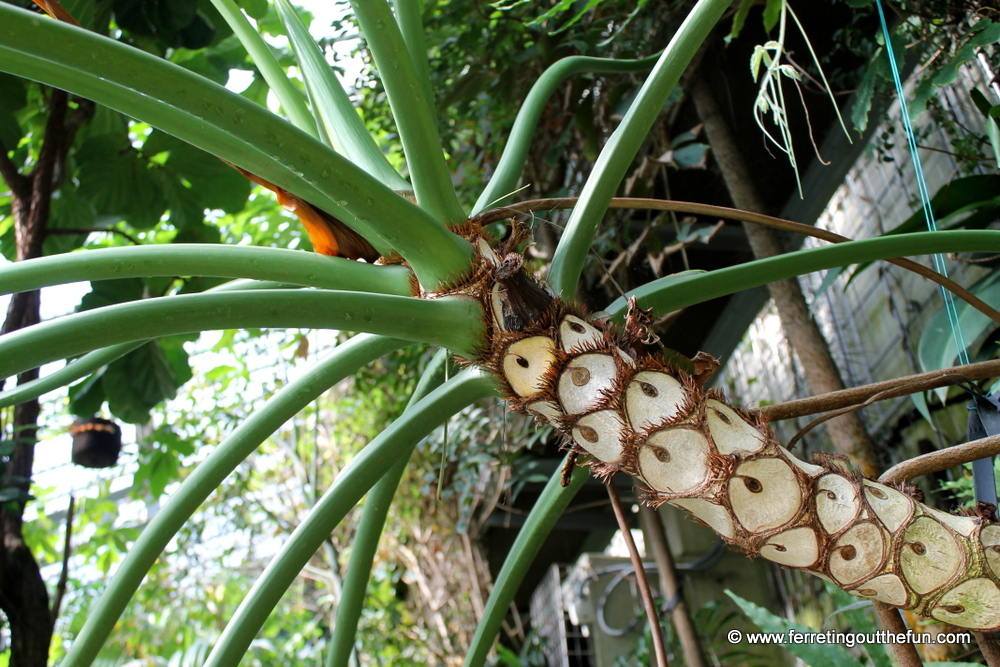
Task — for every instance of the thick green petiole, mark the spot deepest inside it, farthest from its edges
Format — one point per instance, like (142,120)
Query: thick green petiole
(332,106)
(351,484)
(451,323)
(366,538)
(288,95)
(617,155)
(225,124)
(542,519)
(343,361)
(292,267)
(508,171)
(410,110)
(671,293)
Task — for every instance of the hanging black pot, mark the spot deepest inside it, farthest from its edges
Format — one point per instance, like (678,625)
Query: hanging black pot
(96,442)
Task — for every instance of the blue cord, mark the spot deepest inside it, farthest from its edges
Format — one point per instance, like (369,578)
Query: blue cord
(925,198)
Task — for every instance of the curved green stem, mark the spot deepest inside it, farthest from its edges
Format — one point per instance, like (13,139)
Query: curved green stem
(675,292)
(339,117)
(542,519)
(411,26)
(293,267)
(411,111)
(370,527)
(617,155)
(343,361)
(450,323)
(73,370)
(90,362)
(504,180)
(351,484)
(225,124)
(288,95)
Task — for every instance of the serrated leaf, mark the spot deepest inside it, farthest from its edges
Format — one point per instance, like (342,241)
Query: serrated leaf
(790,72)
(755,60)
(739,19)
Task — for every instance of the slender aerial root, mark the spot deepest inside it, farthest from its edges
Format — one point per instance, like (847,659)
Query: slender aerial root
(626,410)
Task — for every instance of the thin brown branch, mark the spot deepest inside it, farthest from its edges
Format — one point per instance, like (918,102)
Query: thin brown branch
(640,575)
(67,550)
(903,386)
(95,230)
(964,156)
(942,459)
(637,203)
(989,647)
(889,617)
(836,413)
(670,586)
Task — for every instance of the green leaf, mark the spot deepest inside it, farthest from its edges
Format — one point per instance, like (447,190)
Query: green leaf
(992,113)
(87,397)
(919,400)
(217,185)
(69,211)
(6,447)
(11,131)
(739,19)
(985,32)
(864,94)
(772,12)
(118,182)
(255,9)
(108,292)
(691,156)
(860,620)
(139,381)
(13,94)
(177,357)
(815,655)
(186,210)
(172,23)
(970,194)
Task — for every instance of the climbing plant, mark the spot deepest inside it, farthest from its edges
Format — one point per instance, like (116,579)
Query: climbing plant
(445,277)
